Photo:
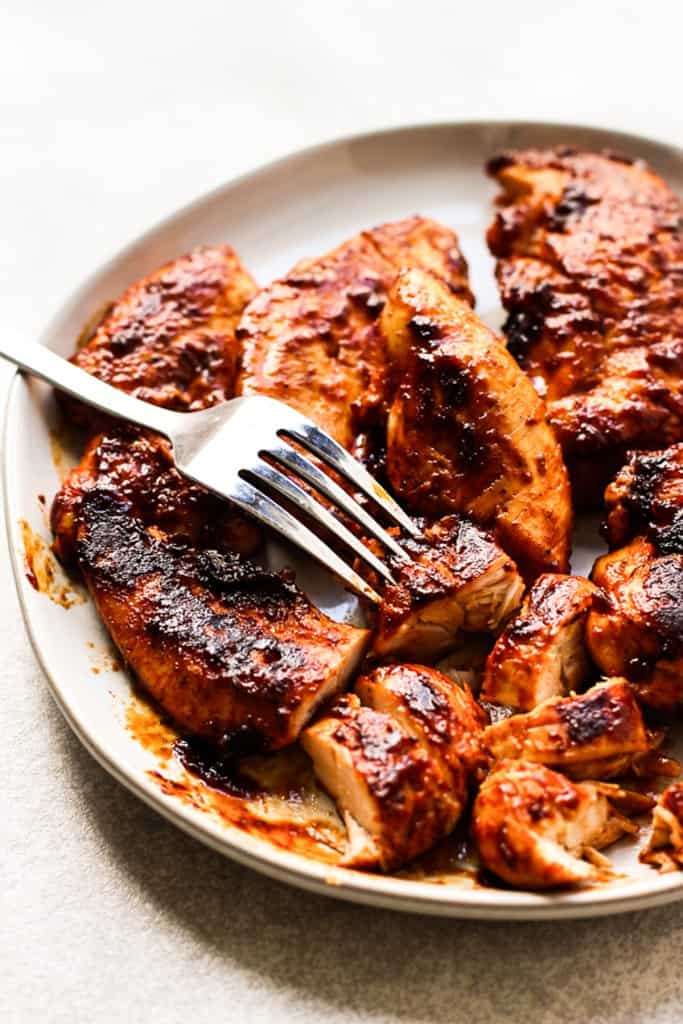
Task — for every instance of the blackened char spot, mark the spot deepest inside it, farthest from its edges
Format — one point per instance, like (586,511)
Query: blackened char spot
(499,162)
(663,587)
(572,204)
(590,717)
(421,698)
(370,295)
(389,755)
(113,546)
(454,386)
(669,539)
(424,328)
(522,629)
(228,573)
(522,328)
(472,448)
(124,341)
(650,472)
(426,703)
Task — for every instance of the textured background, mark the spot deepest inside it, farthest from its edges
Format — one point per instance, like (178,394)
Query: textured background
(110,115)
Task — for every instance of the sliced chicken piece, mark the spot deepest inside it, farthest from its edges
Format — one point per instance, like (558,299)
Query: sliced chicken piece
(646,498)
(393,796)
(637,632)
(590,249)
(537,830)
(170,339)
(444,718)
(225,647)
(541,653)
(466,430)
(597,735)
(665,843)
(457,581)
(311,338)
(138,466)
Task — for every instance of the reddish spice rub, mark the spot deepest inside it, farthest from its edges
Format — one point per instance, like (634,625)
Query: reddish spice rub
(227,611)
(638,630)
(590,268)
(170,339)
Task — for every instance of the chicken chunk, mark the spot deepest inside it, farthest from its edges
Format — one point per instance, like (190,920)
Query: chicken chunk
(311,338)
(646,498)
(395,800)
(590,251)
(225,647)
(443,717)
(466,431)
(170,339)
(599,734)
(456,581)
(664,847)
(537,830)
(138,466)
(637,632)
(541,653)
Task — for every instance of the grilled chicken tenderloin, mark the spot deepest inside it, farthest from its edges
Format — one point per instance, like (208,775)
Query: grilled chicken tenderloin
(466,430)
(170,338)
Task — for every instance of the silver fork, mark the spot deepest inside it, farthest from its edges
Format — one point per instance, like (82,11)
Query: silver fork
(238,450)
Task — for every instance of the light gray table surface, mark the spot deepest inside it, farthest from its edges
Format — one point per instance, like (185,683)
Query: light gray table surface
(110,115)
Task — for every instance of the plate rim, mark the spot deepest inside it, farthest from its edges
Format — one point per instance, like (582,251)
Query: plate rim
(258,854)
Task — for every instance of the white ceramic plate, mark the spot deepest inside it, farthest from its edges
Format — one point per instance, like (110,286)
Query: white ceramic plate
(299,206)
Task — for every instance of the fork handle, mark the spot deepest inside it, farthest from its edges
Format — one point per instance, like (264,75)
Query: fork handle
(39,361)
